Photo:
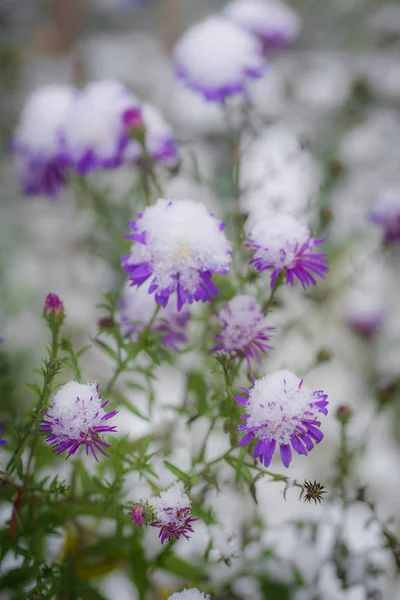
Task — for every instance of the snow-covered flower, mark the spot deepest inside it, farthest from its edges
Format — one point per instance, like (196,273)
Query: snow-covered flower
(179,245)
(137,310)
(98,132)
(76,417)
(36,142)
(216,58)
(365,313)
(244,329)
(284,243)
(281,411)
(278,174)
(385,212)
(271,21)
(173,510)
(94,135)
(192,594)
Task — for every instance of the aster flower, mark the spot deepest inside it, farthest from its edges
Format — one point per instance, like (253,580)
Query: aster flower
(97,133)
(244,329)
(179,246)
(192,594)
(216,58)
(93,134)
(40,163)
(136,311)
(76,417)
(172,510)
(272,22)
(282,411)
(385,212)
(365,313)
(284,243)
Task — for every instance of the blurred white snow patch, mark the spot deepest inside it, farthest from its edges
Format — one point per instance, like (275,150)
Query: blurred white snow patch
(382,72)
(192,114)
(324,82)
(24,330)
(278,174)
(118,585)
(376,139)
(225,544)
(387,19)
(182,188)
(267,94)
(247,588)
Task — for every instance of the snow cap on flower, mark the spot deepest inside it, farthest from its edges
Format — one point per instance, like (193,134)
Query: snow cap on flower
(244,329)
(178,246)
(36,142)
(137,310)
(76,417)
(216,58)
(385,212)
(282,411)
(94,135)
(192,594)
(172,510)
(271,21)
(284,243)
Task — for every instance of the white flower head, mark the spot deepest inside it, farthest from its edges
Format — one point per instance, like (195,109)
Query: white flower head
(180,245)
(93,133)
(274,23)
(76,417)
(216,58)
(37,142)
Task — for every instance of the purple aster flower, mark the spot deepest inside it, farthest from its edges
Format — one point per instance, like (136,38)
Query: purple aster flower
(76,417)
(192,594)
(178,246)
(281,410)
(137,310)
(272,22)
(284,243)
(36,143)
(2,441)
(52,305)
(172,510)
(244,329)
(365,313)
(216,58)
(96,132)
(385,212)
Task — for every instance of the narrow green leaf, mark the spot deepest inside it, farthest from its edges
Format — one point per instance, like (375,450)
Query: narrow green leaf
(177,472)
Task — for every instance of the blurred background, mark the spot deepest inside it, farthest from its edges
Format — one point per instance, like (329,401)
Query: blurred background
(337,88)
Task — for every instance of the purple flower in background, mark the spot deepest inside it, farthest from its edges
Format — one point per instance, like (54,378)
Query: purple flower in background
(365,313)
(216,58)
(41,165)
(137,310)
(244,329)
(76,417)
(172,511)
(385,212)
(178,246)
(281,411)
(192,594)
(284,243)
(52,305)
(97,133)
(272,22)
(2,441)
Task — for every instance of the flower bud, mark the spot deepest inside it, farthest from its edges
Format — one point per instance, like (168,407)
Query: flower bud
(343,414)
(53,306)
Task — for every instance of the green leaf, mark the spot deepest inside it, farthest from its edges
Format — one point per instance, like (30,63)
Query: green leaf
(107,349)
(177,472)
(122,401)
(176,565)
